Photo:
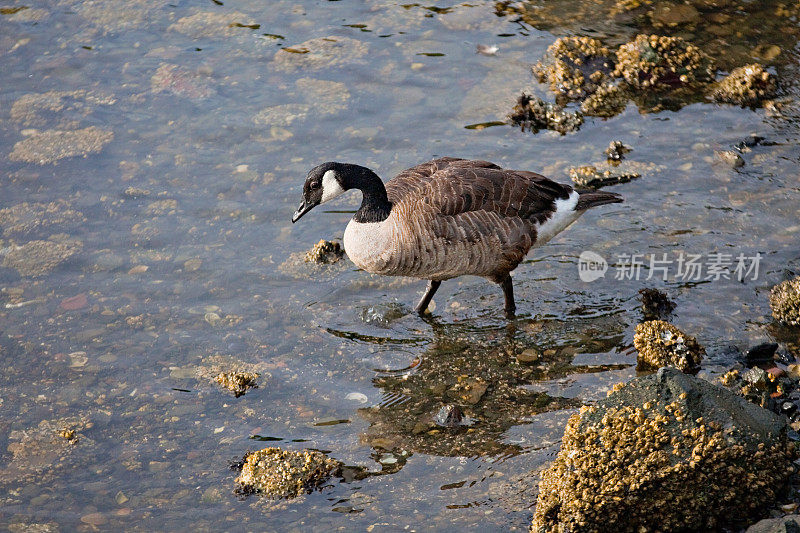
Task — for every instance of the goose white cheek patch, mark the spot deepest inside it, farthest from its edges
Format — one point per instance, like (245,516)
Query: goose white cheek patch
(330,187)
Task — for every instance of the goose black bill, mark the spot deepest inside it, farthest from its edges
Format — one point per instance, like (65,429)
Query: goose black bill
(302,210)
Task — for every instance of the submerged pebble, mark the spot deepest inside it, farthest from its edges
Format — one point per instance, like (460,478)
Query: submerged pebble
(36,258)
(181,82)
(53,145)
(321,52)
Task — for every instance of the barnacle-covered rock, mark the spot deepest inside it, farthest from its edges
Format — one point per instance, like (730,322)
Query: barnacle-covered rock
(665,452)
(784,299)
(324,252)
(607,101)
(574,66)
(616,151)
(660,62)
(277,473)
(237,382)
(745,86)
(660,344)
(534,114)
(590,176)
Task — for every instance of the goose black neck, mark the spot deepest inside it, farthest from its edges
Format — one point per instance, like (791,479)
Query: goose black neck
(375,205)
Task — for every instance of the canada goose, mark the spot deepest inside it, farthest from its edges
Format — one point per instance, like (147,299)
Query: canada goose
(449,217)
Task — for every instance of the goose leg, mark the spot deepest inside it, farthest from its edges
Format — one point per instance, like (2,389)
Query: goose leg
(427,297)
(508,291)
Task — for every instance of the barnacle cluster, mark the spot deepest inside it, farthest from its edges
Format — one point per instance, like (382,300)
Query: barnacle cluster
(590,176)
(658,62)
(324,252)
(277,473)
(784,299)
(660,344)
(606,101)
(745,86)
(237,382)
(574,66)
(534,114)
(667,452)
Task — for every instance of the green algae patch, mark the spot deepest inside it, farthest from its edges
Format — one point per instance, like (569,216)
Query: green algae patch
(661,344)
(665,452)
(53,145)
(276,473)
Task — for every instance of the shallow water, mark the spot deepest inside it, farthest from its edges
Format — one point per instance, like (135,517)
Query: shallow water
(218,127)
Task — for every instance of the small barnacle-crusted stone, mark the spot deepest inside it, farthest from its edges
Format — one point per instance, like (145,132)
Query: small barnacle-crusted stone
(324,252)
(237,382)
(534,114)
(690,460)
(659,62)
(784,299)
(590,176)
(660,344)
(616,151)
(277,473)
(745,86)
(607,101)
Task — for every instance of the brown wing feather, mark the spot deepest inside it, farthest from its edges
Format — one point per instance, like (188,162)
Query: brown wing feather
(487,212)
(413,181)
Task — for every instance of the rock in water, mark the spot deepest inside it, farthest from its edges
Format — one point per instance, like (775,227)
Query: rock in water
(665,452)
(324,252)
(784,300)
(660,344)
(746,86)
(277,473)
(785,524)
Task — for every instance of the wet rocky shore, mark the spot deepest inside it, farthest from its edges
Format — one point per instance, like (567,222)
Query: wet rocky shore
(176,353)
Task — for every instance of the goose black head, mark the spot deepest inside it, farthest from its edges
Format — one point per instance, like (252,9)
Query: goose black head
(324,182)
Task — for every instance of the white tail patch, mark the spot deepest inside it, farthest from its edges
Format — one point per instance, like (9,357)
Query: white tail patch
(563,215)
(330,186)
